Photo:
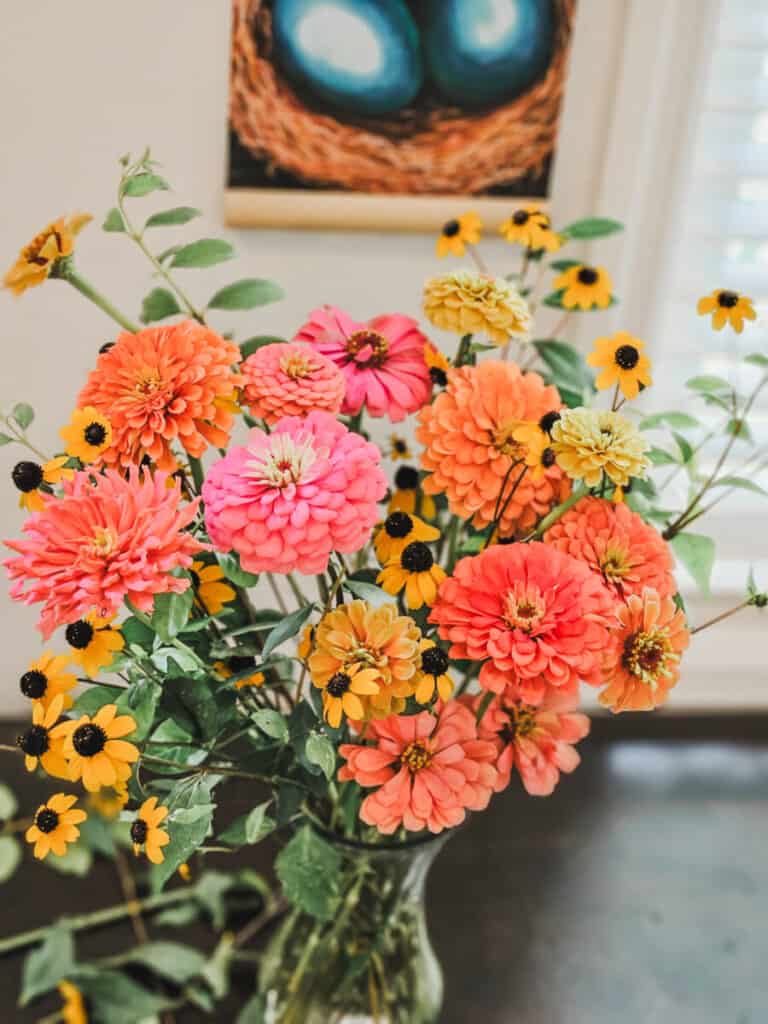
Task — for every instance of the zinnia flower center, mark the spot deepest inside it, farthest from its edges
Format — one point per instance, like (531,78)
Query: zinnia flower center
(416,756)
(33,684)
(296,365)
(451,228)
(587,275)
(139,831)
(647,655)
(524,608)
(505,443)
(548,420)
(398,524)
(47,820)
(521,722)
(338,684)
(627,357)
(521,216)
(416,557)
(147,382)
(727,299)
(79,634)
(434,661)
(615,564)
(367,347)
(95,434)
(103,542)
(285,462)
(407,478)
(89,740)
(27,476)
(34,742)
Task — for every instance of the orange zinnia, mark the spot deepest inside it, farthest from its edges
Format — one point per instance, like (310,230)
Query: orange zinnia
(161,385)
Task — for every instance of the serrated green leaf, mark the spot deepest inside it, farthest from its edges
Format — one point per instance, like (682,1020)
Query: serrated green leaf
(320,751)
(171,613)
(246,294)
(113,221)
(89,701)
(45,966)
(308,869)
(157,305)
(142,184)
(249,346)
(708,383)
(192,702)
(206,252)
(250,828)
(8,802)
(10,855)
(23,413)
(117,998)
(680,420)
(697,554)
(185,838)
(592,227)
(136,632)
(284,630)
(170,960)
(272,723)
(369,592)
(177,215)
(140,701)
(230,563)
(740,482)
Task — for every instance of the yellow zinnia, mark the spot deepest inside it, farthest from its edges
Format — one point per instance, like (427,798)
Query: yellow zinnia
(727,307)
(36,259)
(584,287)
(590,442)
(456,234)
(622,362)
(468,302)
(87,434)
(530,227)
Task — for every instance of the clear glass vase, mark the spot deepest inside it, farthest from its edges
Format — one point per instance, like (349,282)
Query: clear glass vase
(373,963)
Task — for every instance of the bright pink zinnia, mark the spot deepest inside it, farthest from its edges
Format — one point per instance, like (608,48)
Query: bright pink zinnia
(107,538)
(288,379)
(382,360)
(536,617)
(289,498)
(537,741)
(429,770)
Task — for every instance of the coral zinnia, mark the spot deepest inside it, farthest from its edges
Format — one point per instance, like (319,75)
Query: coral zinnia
(95,749)
(584,287)
(146,833)
(590,442)
(37,259)
(617,544)
(289,379)
(55,825)
(468,302)
(727,307)
(644,664)
(428,770)
(356,636)
(537,741)
(161,385)
(471,451)
(108,538)
(622,362)
(289,498)
(46,678)
(458,233)
(382,360)
(536,617)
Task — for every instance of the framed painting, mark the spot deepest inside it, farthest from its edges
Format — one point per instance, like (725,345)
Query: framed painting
(389,114)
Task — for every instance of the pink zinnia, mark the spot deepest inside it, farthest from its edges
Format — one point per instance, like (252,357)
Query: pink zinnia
(382,360)
(106,539)
(288,379)
(537,741)
(428,770)
(289,498)
(536,617)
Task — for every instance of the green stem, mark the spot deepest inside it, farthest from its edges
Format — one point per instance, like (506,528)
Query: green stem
(65,270)
(559,510)
(484,703)
(726,615)
(296,590)
(198,475)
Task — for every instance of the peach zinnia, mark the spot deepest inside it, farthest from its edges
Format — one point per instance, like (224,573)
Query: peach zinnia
(162,385)
(537,618)
(429,770)
(617,544)
(644,664)
(289,379)
(473,455)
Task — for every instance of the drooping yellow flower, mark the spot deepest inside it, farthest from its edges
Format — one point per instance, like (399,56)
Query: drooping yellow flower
(530,227)
(146,833)
(95,749)
(415,571)
(73,1010)
(307,642)
(109,800)
(433,674)
(585,287)
(437,364)
(87,434)
(590,442)
(46,679)
(536,448)
(408,495)
(468,302)
(36,259)
(237,663)
(28,476)
(93,642)
(398,448)
(456,234)
(397,531)
(209,589)
(622,361)
(55,826)
(727,307)
(40,744)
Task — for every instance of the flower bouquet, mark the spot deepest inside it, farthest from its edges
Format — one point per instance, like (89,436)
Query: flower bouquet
(371,641)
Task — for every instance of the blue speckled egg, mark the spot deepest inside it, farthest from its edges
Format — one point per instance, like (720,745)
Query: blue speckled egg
(361,56)
(485,52)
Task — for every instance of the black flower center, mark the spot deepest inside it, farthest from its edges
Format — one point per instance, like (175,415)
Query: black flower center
(139,831)
(451,228)
(587,275)
(417,557)
(407,478)
(521,217)
(400,446)
(627,357)
(547,458)
(398,524)
(89,740)
(33,684)
(34,742)
(95,434)
(438,376)
(27,476)
(434,661)
(548,420)
(47,820)
(79,634)
(240,662)
(338,684)
(106,347)
(727,299)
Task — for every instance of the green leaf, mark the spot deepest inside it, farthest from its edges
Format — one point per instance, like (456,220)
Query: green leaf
(231,566)
(368,592)
(554,300)
(186,836)
(116,998)
(6,439)
(171,613)
(168,959)
(113,221)
(98,835)
(45,966)
(567,369)
(592,227)
(144,183)
(697,554)
(659,457)
(308,869)
(23,414)
(216,969)
(740,429)
(681,420)
(686,451)
(159,304)
(10,855)
(741,482)
(756,359)
(137,633)
(272,723)
(210,891)
(140,701)
(249,346)
(289,627)
(561,265)
(320,751)
(206,252)
(89,701)
(192,702)
(178,215)
(246,294)
(76,861)
(708,383)
(250,828)
(8,802)
(254,1011)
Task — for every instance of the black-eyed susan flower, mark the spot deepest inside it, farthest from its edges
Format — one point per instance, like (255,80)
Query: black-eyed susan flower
(437,364)
(210,591)
(37,259)
(727,307)
(621,361)
(40,744)
(146,834)
(398,530)
(46,678)
(73,1010)
(93,642)
(539,456)
(398,448)
(108,801)
(55,826)
(95,749)
(408,496)
(530,227)
(456,234)
(239,663)
(433,675)
(415,571)
(342,693)
(29,476)
(585,287)
(87,435)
